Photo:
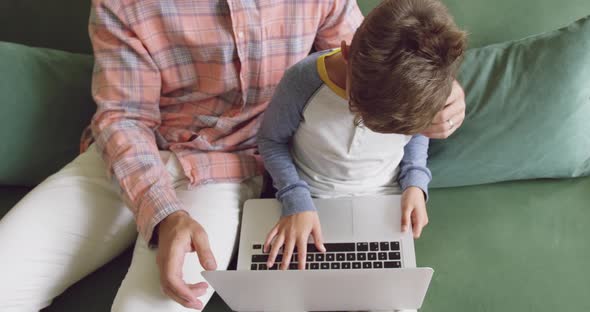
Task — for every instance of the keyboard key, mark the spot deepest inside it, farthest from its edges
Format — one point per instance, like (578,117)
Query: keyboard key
(356,265)
(314,266)
(307,266)
(367,265)
(309,257)
(382,256)
(374,246)
(310,248)
(319,257)
(371,256)
(279,258)
(330,257)
(378,265)
(346,265)
(394,255)
(335,266)
(262,266)
(335,247)
(256,246)
(350,256)
(362,247)
(293,266)
(361,256)
(274,267)
(391,264)
(259,258)
(270,248)
(384,246)
(394,245)
(253,267)
(340,257)
(325,266)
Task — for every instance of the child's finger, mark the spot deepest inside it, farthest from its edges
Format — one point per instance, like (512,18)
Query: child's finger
(418,224)
(417,229)
(302,251)
(406,214)
(274,251)
(270,237)
(318,238)
(288,252)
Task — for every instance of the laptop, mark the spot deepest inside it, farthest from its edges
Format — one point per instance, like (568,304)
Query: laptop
(369,263)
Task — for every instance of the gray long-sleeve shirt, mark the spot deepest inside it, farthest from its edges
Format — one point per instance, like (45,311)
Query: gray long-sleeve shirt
(312,147)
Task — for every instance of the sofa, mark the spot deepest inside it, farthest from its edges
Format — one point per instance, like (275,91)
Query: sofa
(504,246)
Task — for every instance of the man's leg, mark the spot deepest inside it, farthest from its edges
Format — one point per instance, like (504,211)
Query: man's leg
(68,226)
(217,208)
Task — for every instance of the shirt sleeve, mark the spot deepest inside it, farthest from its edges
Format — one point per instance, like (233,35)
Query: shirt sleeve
(342,20)
(281,120)
(126,88)
(413,170)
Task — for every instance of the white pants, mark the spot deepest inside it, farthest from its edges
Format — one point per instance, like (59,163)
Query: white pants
(75,222)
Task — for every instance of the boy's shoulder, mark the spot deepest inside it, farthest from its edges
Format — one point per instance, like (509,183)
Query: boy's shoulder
(304,73)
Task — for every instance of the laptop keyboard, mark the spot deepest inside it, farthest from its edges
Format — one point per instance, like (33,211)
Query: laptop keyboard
(338,256)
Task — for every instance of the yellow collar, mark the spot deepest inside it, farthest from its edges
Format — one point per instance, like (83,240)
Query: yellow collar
(321,64)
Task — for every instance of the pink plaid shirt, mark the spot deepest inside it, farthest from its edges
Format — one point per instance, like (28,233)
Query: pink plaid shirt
(194,77)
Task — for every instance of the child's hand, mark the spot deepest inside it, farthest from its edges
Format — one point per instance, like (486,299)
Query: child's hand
(414,210)
(294,230)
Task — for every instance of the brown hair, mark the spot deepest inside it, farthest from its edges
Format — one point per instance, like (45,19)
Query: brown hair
(403,60)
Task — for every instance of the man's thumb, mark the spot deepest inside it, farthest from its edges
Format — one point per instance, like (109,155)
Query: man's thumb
(206,257)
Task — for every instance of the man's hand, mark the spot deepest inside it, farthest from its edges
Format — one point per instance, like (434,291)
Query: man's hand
(414,210)
(294,230)
(179,234)
(450,118)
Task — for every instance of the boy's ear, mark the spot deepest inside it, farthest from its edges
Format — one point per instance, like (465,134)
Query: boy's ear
(344,49)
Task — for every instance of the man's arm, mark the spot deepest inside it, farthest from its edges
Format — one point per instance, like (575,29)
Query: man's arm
(339,24)
(413,170)
(126,88)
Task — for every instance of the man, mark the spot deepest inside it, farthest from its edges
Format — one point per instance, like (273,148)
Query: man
(180,87)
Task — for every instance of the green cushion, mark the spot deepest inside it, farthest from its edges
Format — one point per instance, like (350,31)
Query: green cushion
(501,20)
(46,103)
(528,103)
(512,246)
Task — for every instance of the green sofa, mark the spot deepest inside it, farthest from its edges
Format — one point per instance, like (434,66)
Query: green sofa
(511,246)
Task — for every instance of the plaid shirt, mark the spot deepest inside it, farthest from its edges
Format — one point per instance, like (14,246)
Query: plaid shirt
(194,77)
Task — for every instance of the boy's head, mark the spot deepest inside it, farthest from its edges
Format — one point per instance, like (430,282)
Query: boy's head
(401,65)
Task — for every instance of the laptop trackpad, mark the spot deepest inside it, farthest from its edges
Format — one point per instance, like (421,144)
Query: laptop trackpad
(377,218)
(336,219)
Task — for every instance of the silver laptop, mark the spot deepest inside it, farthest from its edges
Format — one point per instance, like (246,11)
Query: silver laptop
(369,263)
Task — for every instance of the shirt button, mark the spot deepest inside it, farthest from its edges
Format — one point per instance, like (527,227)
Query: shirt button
(241,34)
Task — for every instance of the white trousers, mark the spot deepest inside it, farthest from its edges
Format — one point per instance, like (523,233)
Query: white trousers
(75,222)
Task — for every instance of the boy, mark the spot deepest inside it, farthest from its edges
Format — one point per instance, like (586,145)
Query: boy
(346,122)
